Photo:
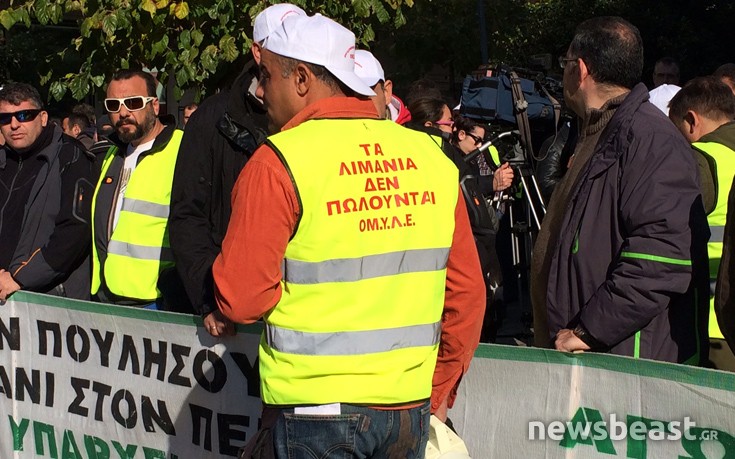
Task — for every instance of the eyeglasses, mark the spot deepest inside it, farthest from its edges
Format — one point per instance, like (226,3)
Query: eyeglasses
(476,138)
(563,61)
(133,104)
(449,123)
(22,116)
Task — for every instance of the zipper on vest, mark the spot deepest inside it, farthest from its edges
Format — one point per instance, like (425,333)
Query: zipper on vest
(10,191)
(116,196)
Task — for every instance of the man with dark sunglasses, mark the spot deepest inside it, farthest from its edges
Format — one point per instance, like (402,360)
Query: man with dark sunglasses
(131,201)
(46,184)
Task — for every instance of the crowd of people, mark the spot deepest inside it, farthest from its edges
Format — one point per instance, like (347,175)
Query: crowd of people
(357,226)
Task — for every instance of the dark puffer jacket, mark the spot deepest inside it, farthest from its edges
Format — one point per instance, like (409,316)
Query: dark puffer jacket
(218,140)
(631,264)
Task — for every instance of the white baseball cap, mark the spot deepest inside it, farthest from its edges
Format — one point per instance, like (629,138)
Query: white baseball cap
(271,18)
(662,95)
(321,41)
(368,68)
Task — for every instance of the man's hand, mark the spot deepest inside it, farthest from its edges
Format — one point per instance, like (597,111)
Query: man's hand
(502,177)
(442,410)
(567,341)
(218,325)
(8,286)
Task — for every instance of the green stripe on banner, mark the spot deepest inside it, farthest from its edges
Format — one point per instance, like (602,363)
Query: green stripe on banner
(122,311)
(646,256)
(662,370)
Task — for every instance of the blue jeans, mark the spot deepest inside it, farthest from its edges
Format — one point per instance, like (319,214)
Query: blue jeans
(359,432)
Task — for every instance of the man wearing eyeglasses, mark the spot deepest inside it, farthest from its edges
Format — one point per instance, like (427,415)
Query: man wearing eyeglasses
(46,182)
(620,262)
(131,202)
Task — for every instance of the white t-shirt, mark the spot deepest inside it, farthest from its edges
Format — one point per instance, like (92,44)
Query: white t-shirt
(131,160)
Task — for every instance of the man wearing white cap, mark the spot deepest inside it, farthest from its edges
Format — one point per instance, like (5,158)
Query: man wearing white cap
(358,255)
(368,68)
(220,137)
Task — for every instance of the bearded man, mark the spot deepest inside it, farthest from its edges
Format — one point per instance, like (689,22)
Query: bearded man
(131,201)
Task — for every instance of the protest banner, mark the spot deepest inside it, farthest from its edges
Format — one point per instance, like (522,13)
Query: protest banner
(88,380)
(519,402)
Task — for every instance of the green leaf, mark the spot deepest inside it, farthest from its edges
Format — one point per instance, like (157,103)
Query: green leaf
(209,58)
(182,10)
(57,13)
(182,76)
(7,19)
(362,7)
(160,4)
(98,80)
(109,24)
(160,46)
(45,78)
(43,11)
(368,35)
(79,86)
(178,93)
(57,90)
(124,64)
(184,39)
(86,27)
(380,12)
(148,5)
(197,36)
(22,15)
(229,48)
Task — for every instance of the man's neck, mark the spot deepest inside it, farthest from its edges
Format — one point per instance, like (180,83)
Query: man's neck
(601,94)
(152,134)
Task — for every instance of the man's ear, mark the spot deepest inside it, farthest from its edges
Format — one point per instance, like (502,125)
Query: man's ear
(76,130)
(692,120)
(303,79)
(583,70)
(461,134)
(388,90)
(156,106)
(44,118)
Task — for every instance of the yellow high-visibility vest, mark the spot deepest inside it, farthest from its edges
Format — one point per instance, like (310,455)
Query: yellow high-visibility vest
(139,248)
(364,275)
(724,160)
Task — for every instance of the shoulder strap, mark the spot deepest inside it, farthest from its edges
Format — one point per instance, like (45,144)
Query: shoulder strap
(520,107)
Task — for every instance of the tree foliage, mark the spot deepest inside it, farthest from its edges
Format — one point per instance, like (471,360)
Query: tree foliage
(447,32)
(187,41)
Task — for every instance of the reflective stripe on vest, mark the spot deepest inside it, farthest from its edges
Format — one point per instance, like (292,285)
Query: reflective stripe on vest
(352,343)
(354,269)
(139,249)
(364,274)
(724,161)
(145,208)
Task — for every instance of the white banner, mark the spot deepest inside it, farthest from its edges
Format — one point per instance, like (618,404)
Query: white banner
(86,380)
(520,402)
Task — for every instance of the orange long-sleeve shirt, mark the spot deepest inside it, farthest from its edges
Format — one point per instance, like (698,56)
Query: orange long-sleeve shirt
(265,210)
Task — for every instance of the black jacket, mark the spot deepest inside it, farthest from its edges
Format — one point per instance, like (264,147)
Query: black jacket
(632,250)
(219,138)
(51,255)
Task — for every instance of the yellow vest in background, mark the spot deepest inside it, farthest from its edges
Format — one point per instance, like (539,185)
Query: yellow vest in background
(139,247)
(364,275)
(724,159)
